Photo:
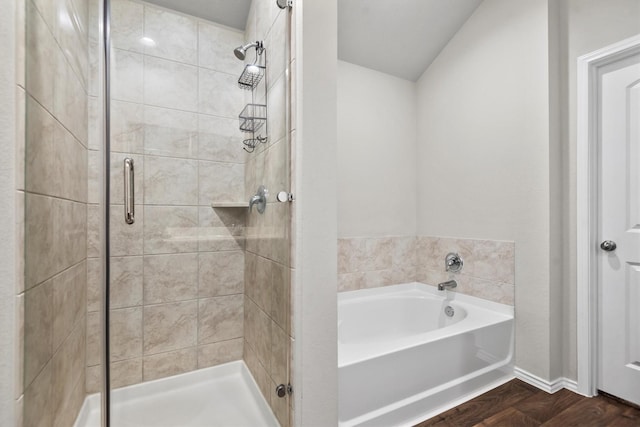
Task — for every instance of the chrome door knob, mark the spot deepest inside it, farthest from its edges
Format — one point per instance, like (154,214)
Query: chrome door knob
(608,245)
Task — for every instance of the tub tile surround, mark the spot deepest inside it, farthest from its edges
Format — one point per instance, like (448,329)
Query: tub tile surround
(177,274)
(368,262)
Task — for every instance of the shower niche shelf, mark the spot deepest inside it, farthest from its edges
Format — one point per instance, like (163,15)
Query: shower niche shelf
(216,205)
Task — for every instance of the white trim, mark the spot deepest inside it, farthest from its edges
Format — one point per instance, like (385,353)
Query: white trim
(587,203)
(544,385)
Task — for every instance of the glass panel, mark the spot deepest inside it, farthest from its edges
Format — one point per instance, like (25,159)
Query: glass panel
(199,290)
(62,202)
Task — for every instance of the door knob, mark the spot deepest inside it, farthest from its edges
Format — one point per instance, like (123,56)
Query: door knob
(608,245)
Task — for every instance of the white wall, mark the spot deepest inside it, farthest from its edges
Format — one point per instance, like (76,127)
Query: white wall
(483,151)
(376,153)
(314,286)
(7,210)
(587,25)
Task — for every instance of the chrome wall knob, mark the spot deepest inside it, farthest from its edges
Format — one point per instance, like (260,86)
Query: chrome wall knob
(608,245)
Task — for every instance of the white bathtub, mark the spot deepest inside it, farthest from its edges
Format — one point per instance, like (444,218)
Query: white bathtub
(402,360)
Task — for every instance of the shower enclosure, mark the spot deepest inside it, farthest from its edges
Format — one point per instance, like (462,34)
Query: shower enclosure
(152,292)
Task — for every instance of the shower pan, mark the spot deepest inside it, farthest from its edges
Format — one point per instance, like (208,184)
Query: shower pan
(162,300)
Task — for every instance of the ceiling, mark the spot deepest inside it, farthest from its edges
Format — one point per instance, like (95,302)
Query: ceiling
(232,13)
(398,37)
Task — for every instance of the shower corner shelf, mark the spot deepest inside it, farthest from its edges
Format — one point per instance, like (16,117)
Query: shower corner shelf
(216,205)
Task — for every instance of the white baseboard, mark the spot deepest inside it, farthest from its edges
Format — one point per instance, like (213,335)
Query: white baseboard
(548,386)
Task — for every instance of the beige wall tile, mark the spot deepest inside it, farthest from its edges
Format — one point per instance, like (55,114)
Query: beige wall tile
(127,76)
(94,379)
(69,301)
(169,278)
(126,25)
(220,273)
(170,133)
(94,338)
(169,181)
(280,343)
(215,43)
(258,331)
(67,370)
(94,215)
(126,372)
(220,182)
(258,372)
(46,139)
(281,295)
(170,84)
(220,318)
(167,364)
(220,352)
(70,102)
(40,263)
(125,239)
(218,94)
(127,125)
(126,282)
(125,328)
(38,326)
(94,285)
(220,229)
(40,57)
(351,281)
(179,44)
(170,229)
(38,400)
(276,110)
(170,326)
(219,139)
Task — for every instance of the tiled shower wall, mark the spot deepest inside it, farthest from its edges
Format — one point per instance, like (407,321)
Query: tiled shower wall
(53,185)
(267,309)
(177,274)
(488,271)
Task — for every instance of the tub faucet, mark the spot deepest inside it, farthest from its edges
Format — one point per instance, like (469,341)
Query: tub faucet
(447,285)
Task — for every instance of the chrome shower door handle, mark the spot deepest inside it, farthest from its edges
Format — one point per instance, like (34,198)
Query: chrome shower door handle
(129,209)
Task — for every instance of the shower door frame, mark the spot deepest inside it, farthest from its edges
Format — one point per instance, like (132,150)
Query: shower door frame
(587,207)
(105,413)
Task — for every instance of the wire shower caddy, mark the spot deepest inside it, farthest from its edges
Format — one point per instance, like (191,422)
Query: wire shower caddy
(253,117)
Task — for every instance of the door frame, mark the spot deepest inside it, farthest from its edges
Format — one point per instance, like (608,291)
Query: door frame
(587,178)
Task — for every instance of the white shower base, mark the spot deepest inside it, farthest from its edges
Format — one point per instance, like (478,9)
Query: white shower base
(224,395)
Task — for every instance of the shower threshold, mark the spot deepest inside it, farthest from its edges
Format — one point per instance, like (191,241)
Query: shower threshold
(224,395)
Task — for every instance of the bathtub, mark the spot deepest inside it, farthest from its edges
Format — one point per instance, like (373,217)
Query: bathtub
(401,359)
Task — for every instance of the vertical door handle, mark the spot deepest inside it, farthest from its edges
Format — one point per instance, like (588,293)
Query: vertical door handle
(129,209)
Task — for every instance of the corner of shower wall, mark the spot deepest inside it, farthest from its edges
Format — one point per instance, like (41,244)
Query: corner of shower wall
(269,262)
(54,190)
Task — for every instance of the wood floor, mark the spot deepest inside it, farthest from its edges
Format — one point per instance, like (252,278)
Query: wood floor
(516,404)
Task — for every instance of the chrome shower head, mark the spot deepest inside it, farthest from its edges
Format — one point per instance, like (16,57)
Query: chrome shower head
(241,51)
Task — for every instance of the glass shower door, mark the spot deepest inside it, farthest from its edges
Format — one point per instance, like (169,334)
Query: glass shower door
(199,285)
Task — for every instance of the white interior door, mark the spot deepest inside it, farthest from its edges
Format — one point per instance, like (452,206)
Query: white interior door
(619,222)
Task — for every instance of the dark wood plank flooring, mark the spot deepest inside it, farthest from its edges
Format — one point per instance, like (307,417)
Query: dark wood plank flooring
(517,404)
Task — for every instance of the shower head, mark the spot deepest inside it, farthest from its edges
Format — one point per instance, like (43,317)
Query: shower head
(241,51)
